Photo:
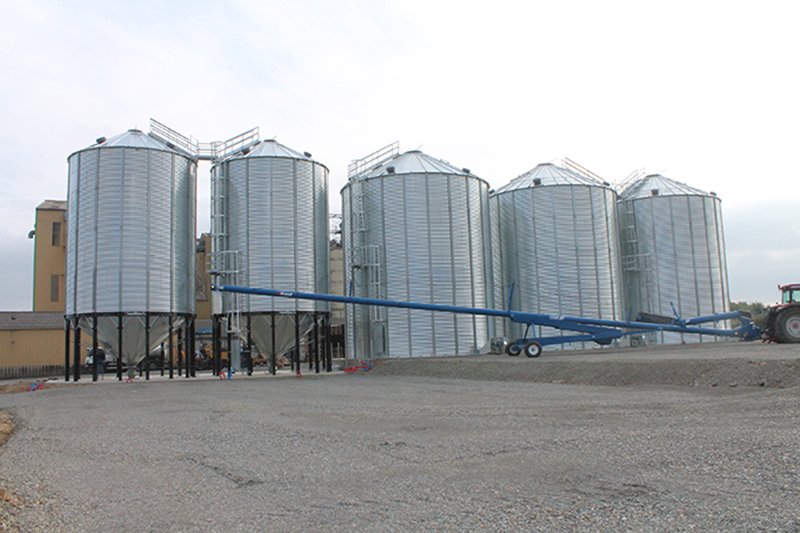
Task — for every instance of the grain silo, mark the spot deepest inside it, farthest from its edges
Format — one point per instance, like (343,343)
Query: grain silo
(556,247)
(270,227)
(130,244)
(673,252)
(416,228)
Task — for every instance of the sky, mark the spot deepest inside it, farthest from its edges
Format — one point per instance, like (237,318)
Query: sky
(703,92)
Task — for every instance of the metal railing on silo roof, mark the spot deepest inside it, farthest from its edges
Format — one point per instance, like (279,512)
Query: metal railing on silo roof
(207,151)
(359,166)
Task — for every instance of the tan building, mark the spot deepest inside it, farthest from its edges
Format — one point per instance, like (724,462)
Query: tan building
(31,344)
(49,259)
(336,280)
(202,279)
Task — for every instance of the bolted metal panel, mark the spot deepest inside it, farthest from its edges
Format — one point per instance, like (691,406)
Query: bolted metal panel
(415,229)
(131,225)
(557,241)
(276,206)
(673,252)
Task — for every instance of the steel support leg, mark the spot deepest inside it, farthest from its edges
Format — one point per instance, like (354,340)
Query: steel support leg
(146,346)
(328,344)
(171,347)
(66,348)
(119,346)
(296,366)
(316,343)
(191,362)
(180,352)
(94,347)
(76,351)
(273,357)
(249,345)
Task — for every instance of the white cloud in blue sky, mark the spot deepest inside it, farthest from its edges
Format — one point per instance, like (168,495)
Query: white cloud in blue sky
(702,92)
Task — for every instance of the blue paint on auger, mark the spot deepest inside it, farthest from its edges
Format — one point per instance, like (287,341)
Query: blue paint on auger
(588,329)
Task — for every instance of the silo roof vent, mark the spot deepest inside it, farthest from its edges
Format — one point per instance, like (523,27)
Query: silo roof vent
(654,192)
(390,170)
(100,140)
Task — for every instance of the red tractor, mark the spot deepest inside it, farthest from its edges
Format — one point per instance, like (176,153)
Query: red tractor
(783,320)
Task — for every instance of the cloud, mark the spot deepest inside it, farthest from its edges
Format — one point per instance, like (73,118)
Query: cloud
(698,92)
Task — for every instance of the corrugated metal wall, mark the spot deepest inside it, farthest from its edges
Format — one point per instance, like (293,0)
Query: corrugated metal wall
(131,231)
(559,247)
(680,259)
(426,239)
(278,220)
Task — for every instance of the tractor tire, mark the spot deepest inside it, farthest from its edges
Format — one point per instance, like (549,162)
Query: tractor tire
(787,325)
(513,349)
(533,349)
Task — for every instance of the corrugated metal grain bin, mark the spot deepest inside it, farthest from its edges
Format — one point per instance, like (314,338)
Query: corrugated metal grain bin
(276,208)
(556,247)
(131,239)
(416,228)
(673,252)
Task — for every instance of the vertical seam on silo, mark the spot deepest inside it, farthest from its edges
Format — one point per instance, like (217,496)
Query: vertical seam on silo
(557,261)
(121,268)
(172,229)
(722,253)
(294,241)
(248,267)
(675,262)
(431,294)
(515,278)
(607,246)
(593,192)
(576,236)
(407,262)
(695,276)
(270,164)
(456,334)
(148,237)
(655,263)
(96,214)
(535,330)
(471,261)
(709,267)
(384,281)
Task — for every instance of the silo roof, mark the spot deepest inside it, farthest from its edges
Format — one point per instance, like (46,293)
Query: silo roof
(132,138)
(643,188)
(549,174)
(272,148)
(414,162)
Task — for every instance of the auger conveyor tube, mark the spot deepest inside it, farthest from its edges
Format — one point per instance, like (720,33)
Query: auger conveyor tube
(597,330)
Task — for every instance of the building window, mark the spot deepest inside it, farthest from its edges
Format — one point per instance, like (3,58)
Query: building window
(54,288)
(56,238)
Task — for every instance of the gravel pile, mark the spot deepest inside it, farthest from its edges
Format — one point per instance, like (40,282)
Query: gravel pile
(726,364)
(368,452)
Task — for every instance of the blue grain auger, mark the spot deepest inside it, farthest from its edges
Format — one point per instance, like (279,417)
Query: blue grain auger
(586,329)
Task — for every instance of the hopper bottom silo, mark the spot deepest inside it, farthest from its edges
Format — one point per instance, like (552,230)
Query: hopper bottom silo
(268,336)
(133,341)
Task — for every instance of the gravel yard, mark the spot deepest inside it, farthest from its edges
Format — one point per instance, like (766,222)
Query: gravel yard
(393,451)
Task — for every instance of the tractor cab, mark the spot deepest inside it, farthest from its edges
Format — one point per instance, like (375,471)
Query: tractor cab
(790,293)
